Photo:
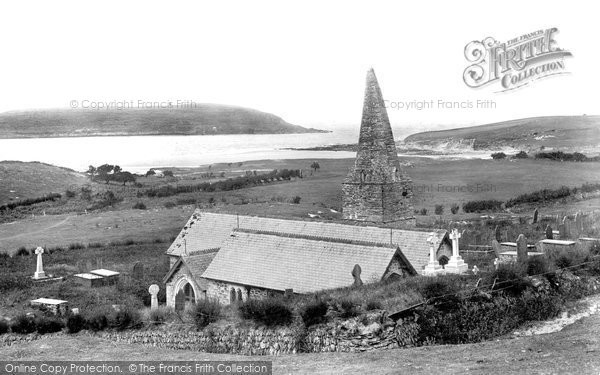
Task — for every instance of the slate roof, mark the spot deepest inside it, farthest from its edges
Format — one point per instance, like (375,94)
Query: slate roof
(195,264)
(303,264)
(206,230)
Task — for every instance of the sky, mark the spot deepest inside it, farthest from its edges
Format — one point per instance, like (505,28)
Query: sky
(304,61)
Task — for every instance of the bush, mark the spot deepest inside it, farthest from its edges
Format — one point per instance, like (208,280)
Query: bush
(498,155)
(563,261)
(509,278)
(139,206)
(205,312)
(483,205)
(75,323)
(454,208)
(187,201)
(93,245)
(373,305)
(296,200)
(45,325)
(159,315)
(521,155)
(169,204)
(76,246)
(439,209)
(270,311)
(3,327)
(423,211)
(347,308)
(124,319)
(537,265)
(70,193)
(23,324)
(97,322)
(22,251)
(314,313)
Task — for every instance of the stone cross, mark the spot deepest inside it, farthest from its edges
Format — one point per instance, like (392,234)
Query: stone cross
(549,234)
(454,236)
(153,290)
(356,274)
(39,271)
(431,249)
(521,249)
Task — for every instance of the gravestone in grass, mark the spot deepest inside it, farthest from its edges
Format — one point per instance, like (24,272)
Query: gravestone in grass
(138,271)
(153,290)
(521,249)
(549,234)
(356,274)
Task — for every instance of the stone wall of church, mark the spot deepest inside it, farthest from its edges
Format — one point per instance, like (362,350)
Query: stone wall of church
(221,291)
(377,202)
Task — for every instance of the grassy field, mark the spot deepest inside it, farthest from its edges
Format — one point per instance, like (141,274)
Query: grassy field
(435,182)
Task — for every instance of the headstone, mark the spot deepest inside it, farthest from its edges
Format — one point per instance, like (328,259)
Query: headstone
(579,223)
(39,271)
(138,271)
(549,234)
(153,290)
(179,301)
(456,264)
(497,235)
(561,232)
(433,267)
(566,233)
(497,248)
(535,216)
(356,274)
(521,249)
(75,310)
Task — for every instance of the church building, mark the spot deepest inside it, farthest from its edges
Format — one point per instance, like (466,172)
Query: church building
(237,257)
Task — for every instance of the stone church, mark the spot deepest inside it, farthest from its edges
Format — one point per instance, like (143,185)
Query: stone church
(234,258)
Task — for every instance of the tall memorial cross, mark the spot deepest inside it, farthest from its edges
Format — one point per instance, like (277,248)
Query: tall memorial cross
(39,270)
(456,264)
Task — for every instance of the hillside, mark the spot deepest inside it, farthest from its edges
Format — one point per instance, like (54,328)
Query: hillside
(19,180)
(203,119)
(564,132)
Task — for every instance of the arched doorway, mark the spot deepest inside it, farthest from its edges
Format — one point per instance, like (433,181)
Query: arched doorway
(188,291)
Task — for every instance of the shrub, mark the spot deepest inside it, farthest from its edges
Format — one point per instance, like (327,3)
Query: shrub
(441,291)
(139,206)
(537,265)
(439,209)
(45,325)
(75,323)
(454,208)
(270,311)
(76,246)
(169,204)
(93,245)
(205,312)
(373,305)
(97,322)
(22,251)
(70,193)
(423,211)
(498,155)
(168,173)
(482,205)
(296,200)
(347,308)
(595,248)
(124,319)
(521,155)
(3,327)
(314,313)
(563,261)
(186,201)
(23,324)
(509,278)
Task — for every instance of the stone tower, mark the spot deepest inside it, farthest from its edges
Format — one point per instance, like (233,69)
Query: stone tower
(376,189)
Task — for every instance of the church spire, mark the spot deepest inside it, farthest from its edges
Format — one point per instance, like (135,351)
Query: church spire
(376,189)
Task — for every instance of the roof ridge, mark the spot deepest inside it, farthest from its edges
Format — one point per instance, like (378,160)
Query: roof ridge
(316,238)
(203,251)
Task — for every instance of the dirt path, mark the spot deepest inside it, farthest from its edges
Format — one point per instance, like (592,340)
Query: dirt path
(37,231)
(575,350)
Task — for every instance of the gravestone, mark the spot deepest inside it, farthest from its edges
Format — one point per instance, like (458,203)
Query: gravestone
(153,290)
(549,234)
(535,216)
(179,301)
(138,271)
(497,248)
(456,264)
(521,249)
(561,232)
(567,229)
(39,271)
(356,274)
(433,267)
(497,235)
(579,223)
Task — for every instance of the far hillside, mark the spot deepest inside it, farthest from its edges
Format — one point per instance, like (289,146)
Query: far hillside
(535,133)
(20,180)
(202,119)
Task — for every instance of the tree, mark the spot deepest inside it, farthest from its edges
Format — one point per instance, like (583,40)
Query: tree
(124,177)
(315,165)
(91,171)
(150,173)
(168,173)
(439,209)
(521,155)
(498,155)
(104,172)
